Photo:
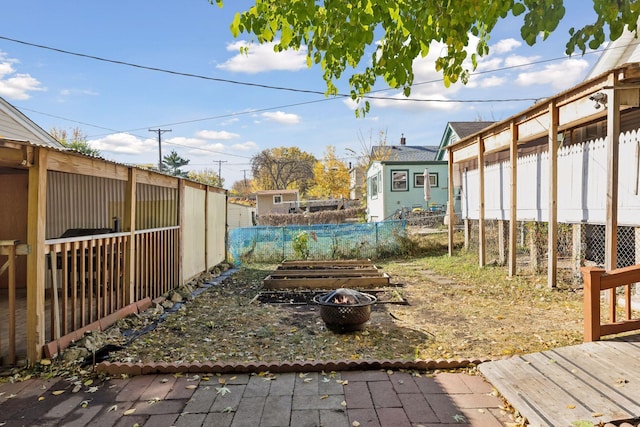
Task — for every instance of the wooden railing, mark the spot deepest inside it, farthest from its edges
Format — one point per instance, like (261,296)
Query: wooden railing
(156,262)
(91,276)
(85,279)
(11,249)
(597,280)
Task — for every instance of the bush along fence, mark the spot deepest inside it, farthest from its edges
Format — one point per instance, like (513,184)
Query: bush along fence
(319,241)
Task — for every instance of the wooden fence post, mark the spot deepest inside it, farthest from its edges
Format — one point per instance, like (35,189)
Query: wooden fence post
(591,276)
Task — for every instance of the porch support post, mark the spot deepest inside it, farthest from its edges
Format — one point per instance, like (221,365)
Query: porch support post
(130,226)
(481,225)
(36,265)
(552,239)
(181,217)
(613,140)
(513,216)
(451,204)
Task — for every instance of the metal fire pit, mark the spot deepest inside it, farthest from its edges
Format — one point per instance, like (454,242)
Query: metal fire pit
(345,310)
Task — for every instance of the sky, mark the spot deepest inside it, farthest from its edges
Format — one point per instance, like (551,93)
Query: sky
(220,125)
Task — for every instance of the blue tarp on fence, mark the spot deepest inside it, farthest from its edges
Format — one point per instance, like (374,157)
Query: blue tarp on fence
(318,241)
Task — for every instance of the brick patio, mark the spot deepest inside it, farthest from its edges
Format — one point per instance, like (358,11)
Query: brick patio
(372,398)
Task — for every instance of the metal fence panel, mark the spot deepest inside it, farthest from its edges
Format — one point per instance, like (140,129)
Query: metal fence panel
(318,241)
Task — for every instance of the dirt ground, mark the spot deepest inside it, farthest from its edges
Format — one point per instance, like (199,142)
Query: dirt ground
(455,310)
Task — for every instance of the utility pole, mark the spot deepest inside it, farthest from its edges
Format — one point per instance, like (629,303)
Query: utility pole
(220,162)
(160,132)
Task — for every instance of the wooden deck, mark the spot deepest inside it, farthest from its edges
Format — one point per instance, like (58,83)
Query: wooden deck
(596,381)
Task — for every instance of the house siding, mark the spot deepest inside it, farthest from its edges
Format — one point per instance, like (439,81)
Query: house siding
(388,202)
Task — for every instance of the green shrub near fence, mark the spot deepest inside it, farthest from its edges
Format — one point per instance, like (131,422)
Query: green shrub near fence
(321,241)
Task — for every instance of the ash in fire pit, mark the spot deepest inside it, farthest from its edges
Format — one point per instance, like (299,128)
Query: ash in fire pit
(345,310)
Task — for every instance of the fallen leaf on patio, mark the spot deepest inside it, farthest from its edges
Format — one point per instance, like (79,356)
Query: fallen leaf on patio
(129,411)
(154,401)
(596,414)
(77,388)
(92,389)
(191,387)
(233,378)
(571,406)
(195,378)
(324,396)
(621,381)
(459,418)
(223,390)
(11,396)
(325,380)
(302,374)
(112,408)
(84,403)
(57,392)
(228,409)
(88,382)
(343,382)
(343,403)
(482,411)
(222,381)
(355,424)
(164,380)
(177,375)
(307,380)
(41,398)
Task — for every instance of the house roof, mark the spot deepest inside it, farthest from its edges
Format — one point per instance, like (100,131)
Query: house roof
(625,49)
(16,126)
(268,192)
(464,129)
(405,153)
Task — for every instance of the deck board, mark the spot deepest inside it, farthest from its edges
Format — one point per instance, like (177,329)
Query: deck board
(597,382)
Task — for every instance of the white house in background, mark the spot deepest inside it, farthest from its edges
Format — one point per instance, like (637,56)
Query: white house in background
(276,201)
(398,181)
(239,216)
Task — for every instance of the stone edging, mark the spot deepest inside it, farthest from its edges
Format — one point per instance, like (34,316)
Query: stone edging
(132,369)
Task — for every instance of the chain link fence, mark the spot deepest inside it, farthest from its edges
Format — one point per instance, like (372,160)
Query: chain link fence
(316,242)
(578,245)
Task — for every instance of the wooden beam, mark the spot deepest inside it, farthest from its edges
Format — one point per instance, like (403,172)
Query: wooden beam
(482,252)
(552,240)
(613,141)
(451,204)
(513,214)
(36,265)
(129,224)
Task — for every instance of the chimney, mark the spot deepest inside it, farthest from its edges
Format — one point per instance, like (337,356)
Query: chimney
(403,140)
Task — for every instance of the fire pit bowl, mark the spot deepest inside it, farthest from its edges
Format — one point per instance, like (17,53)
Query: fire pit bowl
(345,310)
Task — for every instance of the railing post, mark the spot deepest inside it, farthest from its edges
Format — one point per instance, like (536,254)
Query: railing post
(592,276)
(130,247)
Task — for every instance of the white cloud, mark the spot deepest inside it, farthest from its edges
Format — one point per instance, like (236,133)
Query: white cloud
(262,57)
(216,135)
(559,75)
(504,46)
(15,86)
(281,117)
(245,146)
(124,143)
(518,60)
(493,81)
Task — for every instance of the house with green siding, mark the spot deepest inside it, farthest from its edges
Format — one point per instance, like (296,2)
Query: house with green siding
(397,180)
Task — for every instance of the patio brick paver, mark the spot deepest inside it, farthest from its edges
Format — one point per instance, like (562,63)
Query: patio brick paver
(375,398)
